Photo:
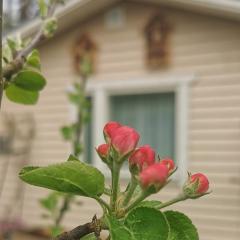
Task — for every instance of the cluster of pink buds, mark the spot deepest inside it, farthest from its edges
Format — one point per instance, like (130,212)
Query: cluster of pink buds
(121,144)
(121,139)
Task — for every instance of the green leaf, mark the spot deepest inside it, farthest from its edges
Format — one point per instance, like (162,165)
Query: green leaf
(147,223)
(67,132)
(43,8)
(117,230)
(73,177)
(72,158)
(181,227)
(50,202)
(56,230)
(29,80)
(20,95)
(149,203)
(33,59)
(141,223)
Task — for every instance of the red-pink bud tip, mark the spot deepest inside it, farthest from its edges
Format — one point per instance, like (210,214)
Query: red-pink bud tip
(154,175)
(203,183)
(103,150)
(109,128)
(169,163)
(124,140)
(142,157)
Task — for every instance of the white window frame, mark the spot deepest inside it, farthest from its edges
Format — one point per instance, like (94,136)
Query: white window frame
(101,90)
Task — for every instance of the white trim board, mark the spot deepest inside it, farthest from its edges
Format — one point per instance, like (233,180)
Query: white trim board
(100,90)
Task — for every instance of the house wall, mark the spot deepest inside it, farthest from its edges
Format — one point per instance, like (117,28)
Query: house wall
(205,46)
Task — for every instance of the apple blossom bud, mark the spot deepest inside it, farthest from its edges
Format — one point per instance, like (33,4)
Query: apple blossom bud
(196,185)
(155,175)
(141,158)
(108,130)
(169,163)
(124,140)
(103,152)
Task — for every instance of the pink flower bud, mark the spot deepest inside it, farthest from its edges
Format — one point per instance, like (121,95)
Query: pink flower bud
(196,185)
(202,182)
(108,130)
(124,140)
(169,163)
(103,150)
(141,158)
(155,175)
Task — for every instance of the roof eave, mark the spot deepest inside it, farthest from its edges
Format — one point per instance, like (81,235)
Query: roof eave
(225,8)
(76,10)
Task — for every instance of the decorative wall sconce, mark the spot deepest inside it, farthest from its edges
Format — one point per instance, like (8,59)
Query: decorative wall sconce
(84,54)
(157,34)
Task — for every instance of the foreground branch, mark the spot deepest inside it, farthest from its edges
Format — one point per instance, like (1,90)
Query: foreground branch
(17,63)
(82,230)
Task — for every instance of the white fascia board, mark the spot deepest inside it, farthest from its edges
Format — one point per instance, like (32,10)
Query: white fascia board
(222,8)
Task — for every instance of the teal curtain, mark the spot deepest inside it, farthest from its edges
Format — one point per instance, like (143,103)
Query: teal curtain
(152,115)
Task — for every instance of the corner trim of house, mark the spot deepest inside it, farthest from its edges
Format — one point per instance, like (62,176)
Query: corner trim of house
(100,90)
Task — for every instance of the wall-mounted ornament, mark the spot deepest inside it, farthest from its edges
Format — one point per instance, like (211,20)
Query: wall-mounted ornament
(157,34)
(84,54)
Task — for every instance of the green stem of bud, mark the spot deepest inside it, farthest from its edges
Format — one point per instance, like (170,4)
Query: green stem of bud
(103,204)
(130,191)
(137,200)
(115,184)
(180,198)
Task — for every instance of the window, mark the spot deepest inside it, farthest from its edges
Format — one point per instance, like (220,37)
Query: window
(157,100)
(152,115)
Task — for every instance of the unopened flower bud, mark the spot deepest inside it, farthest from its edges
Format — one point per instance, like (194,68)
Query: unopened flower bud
(103,152)
(169,163)
(155,175)
(108,130)
(196,185)
(124,140)
(141,158)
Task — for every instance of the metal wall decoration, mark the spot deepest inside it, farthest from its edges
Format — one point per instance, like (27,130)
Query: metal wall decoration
(157,34)
(84,54)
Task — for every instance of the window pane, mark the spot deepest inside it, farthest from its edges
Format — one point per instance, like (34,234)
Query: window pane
(152,115)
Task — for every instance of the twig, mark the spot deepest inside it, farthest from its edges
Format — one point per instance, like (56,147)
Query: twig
(75,144)
(82,230)
(17,63)
(63,209)
(79,125)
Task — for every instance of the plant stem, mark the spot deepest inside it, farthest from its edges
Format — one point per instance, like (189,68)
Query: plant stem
(77,138)
(130,191)
(79,123)
(103,203)
(180,198)
(115,184)
(63,209)
(137,200)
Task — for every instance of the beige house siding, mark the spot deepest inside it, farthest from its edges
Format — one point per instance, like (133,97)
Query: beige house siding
(205,46)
